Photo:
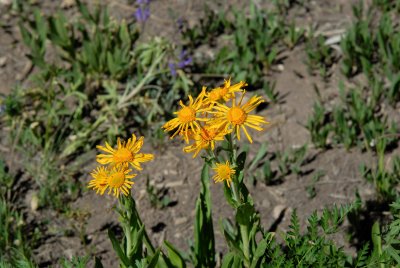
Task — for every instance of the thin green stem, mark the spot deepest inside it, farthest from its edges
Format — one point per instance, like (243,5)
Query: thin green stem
(235,186)
(244,232)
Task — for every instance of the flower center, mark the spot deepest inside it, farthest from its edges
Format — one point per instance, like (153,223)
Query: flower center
(224,172)
(187,114)
(208,134)
(214,95)
(117,179)
(223,91)
(123,155)
(237,115)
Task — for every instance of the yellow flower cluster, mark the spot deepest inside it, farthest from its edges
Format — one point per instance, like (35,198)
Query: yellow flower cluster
(115,173)
(209,117)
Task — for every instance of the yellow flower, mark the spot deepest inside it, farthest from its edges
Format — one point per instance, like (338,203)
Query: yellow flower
(237,117)
(116,179)
(186,118)
(204,139)
(125,153)
(224,173)
(224,93)
(99,182)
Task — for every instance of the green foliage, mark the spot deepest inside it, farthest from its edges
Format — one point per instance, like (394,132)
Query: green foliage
(135,249)
(318,125)
(385,181)
(357,120)
(291,160)
(14,249)
(75,262)
(208,29)
(254,47)
(311,191)
(97,47)
(203,250)
(373,48)
(98,83)
(6,181)
(320,56)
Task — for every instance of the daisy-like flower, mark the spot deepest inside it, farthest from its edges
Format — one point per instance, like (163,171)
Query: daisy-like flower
(224,172)
(186,118)
(126,152)
(204,139)
(224,93)
(99,182)
(118,180)
(237,117)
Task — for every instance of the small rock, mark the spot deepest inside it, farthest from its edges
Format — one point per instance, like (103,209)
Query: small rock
(34,202)
(278,210)
(180,220)
(173,184)
(280,67)
(67,3)
(3,61)
(69,253)
(265,203)
(6,2)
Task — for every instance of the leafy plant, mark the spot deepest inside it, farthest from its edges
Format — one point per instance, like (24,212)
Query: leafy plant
(291,161)
(318,125)
(320,56)
(385,181)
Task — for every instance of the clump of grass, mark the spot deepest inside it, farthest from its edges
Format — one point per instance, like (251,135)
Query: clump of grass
(320,56)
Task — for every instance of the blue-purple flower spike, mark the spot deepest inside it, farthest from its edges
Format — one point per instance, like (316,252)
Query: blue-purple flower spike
(143,11)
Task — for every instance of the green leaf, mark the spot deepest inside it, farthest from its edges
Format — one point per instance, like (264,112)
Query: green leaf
(394,253)
(138,242)
(245,213)
(84,11)
(174,255)
(376,239)
(228,260)
(260,154)
(241,160)
(118,248)
(259,253)
(124,34)
(154,259)
(40,25)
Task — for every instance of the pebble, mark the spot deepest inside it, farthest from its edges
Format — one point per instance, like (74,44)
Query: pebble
(278,210)
(3,61)
(181,220)
(34,202)
(6,2)
(265,203)
(67,3)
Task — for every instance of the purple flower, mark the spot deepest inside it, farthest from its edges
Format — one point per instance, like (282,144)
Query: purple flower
(172,68)
(143,11)
(142,2)
(184,60)
(142,14)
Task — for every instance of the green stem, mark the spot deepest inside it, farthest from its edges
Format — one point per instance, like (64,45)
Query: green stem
(244,231)
(128,240)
